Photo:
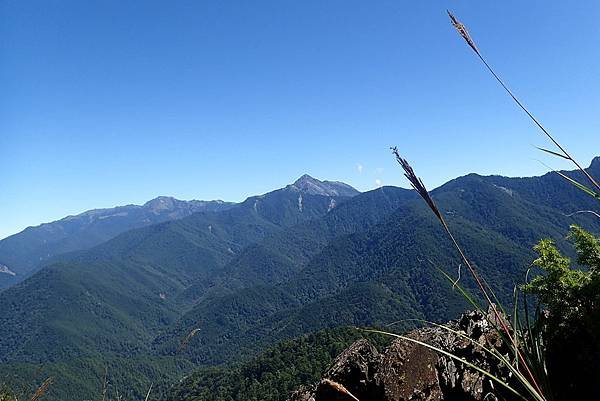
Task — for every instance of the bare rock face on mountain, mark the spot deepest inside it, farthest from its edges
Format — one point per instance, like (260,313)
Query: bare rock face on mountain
(312,186)
(406,371)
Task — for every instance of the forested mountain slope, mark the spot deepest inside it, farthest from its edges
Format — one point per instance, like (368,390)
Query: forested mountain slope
(277,266)
(23,253)
(382,271)
(115,297)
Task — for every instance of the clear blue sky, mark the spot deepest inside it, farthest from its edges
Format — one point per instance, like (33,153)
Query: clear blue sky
(114,102)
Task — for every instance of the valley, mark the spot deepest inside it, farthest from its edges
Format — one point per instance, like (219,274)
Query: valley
(311,257)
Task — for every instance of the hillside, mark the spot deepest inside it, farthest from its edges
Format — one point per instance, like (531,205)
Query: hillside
(272,375)
(23,253)
(120,294)
(274,267)
(380,271)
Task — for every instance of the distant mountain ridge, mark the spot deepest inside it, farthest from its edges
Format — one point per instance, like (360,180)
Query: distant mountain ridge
(23,253)
(140,271)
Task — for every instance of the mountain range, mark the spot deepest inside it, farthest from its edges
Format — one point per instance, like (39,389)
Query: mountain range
(24,253)
(310,256)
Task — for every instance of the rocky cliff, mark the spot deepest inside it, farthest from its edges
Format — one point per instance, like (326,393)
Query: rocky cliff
(408,371)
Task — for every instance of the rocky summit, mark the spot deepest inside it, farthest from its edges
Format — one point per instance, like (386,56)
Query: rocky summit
(312,186)
(405,371)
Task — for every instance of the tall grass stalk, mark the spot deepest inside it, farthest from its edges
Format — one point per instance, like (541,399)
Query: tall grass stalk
(148,393)
(491,351)
(525,339)
(562,152)
(340,388)
(463,360)
(41,390)
(511,337)
(485,290)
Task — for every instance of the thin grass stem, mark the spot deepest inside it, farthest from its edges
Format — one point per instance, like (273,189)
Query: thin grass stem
(462,30)
(456,358)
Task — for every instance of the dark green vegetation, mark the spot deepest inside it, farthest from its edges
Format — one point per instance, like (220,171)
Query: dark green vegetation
(568,293)
(7,394)
(571,325)
(24,253)
(272,375)
(272,268)
(84,378)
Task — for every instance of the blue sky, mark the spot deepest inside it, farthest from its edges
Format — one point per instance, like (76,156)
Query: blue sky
(116,102)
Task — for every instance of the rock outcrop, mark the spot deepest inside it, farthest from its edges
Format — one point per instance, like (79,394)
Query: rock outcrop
(407,371)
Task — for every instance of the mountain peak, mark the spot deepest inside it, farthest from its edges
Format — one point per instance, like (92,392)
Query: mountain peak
(313,186)
(595,164)
(306,179)
(161,203)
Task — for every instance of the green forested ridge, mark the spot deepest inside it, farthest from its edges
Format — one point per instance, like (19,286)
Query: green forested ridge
(267,271)
(272,375)
(84,378)
(27,251)
(282,254)
(359,279)
(116,297)
(498,237)
(551,189)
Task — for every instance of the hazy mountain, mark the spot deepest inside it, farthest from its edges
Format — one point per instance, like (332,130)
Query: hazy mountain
(23,253)
(273,267)
(121,292)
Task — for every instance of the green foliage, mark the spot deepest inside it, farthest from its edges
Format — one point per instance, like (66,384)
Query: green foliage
(271,376)
(35,247)
(85,378)
(568,292)
(6,394)
(571,326)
